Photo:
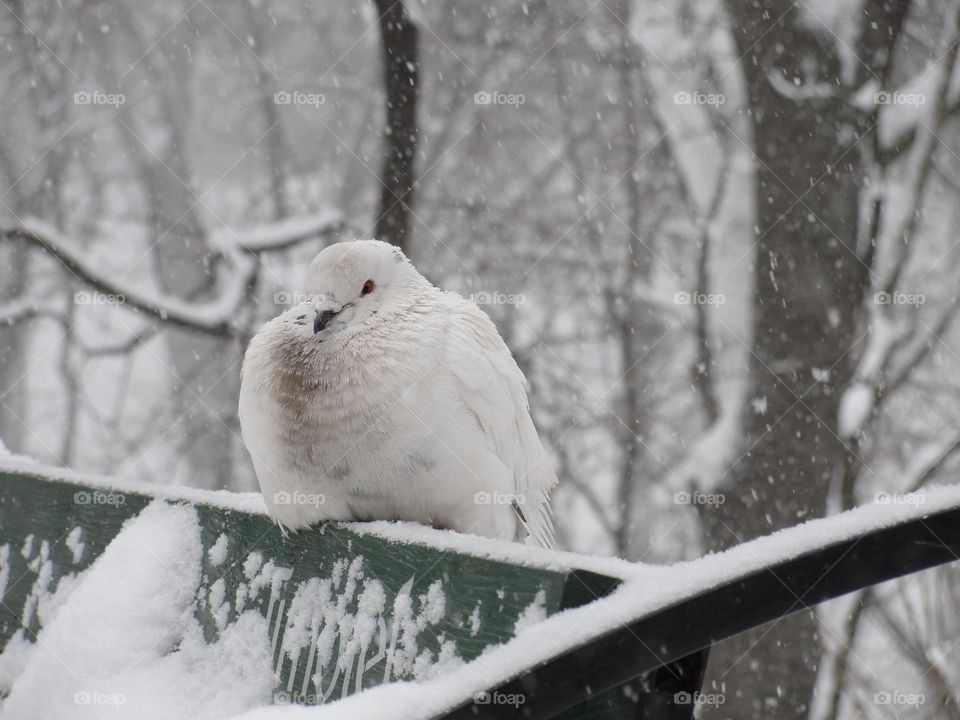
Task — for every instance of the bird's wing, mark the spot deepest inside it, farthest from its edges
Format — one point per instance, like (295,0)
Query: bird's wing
(491,386)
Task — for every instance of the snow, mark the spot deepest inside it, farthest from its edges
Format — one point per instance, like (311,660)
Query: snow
(321,628)
(217,600)
(12,312)
(75,544)
(27,550)
(856,406)
(514,553)
(595,114)
(7,456)
(836,21)
(832,617)
(713,454)
(251,503)
(404,532)
(42,566)
(278,235)
(898,118)
(926,457)
(212,315)
(534,613)
(217,554)
(4,569)
(475,621)
(120,639)
(859,399)
(656,588)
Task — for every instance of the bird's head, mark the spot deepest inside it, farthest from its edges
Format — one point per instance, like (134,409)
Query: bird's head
(352,284)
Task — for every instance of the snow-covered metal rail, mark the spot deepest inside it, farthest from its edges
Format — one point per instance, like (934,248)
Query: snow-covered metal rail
(366,607)
(918,541)
(343,608)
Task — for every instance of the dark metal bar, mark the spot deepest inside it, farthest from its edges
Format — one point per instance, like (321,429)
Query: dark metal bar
(787,587)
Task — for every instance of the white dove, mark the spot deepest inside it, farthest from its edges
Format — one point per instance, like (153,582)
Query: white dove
(383,397)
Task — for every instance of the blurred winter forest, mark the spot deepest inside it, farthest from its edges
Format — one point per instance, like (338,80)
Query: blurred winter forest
(720,238)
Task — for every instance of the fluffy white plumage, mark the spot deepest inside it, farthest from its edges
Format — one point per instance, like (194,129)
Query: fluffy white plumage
(401,403)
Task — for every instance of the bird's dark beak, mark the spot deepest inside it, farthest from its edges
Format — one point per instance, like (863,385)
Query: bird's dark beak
(322,319)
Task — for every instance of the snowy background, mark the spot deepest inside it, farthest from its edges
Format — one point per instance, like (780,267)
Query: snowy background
(721,241)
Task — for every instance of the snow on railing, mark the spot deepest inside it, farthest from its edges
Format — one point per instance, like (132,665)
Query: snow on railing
(443,618)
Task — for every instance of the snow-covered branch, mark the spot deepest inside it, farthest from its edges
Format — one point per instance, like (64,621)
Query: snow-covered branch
(214,317)
(279,235)
(930,460)
(22,308)
(859,402)
(238,270)
(922,348)
(800,92)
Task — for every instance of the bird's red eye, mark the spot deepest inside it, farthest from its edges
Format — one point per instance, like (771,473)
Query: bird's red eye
(367,287)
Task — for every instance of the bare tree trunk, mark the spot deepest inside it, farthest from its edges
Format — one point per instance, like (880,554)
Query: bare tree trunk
(272,119)
(204,369)
(38,191)
(636,326)
(809,288)
(401,69)
(13,275)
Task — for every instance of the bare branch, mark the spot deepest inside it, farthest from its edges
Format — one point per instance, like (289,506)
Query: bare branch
(214,317)
(933,467)
(573,480)
(281,235)
(703,369)
(881,28)
(923,348)
(401,68)
(23,308)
